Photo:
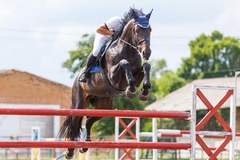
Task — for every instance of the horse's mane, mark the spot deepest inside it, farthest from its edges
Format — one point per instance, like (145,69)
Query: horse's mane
(129,15)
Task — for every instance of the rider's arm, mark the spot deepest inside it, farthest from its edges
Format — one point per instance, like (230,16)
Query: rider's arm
(104,30)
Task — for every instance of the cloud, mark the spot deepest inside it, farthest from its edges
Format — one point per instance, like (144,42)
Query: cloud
(229,19)
(5,13)
(57,4)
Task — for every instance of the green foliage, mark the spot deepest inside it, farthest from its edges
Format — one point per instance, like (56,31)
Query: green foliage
(119,103)
(169,82)
(157,68)
(77,57)
(164,81)
(211,56)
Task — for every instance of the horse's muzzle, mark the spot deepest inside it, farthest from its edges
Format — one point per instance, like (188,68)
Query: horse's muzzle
(146,54)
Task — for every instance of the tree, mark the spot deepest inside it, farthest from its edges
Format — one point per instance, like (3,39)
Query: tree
(169,82)
(77,57)
(157,68)
(164,81)
(211,56)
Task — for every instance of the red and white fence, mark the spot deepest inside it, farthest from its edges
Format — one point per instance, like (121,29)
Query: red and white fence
(196,135)
(195,128)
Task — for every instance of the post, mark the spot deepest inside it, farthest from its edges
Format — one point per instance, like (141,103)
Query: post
(138,138)
(233,118)
(116,137)
(193,124)
(154,137)
(233,125)
(35,152)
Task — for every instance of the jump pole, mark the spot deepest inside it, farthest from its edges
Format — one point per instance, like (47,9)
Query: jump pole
(91,112)
(233,118)
(154,137)
(93,144)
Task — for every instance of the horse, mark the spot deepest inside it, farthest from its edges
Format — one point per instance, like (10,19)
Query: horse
(122,73)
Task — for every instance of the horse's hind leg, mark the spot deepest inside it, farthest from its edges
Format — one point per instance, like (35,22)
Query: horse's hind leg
(146,83)
(89,123)
(98,103)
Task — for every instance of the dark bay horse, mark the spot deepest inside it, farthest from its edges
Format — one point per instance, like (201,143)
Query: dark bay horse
(122,73)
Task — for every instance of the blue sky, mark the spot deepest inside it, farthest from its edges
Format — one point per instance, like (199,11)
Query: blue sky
(36,35)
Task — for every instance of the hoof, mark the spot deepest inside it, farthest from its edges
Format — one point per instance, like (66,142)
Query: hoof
(83,150)
(68,155)
(143,97)
(130,94)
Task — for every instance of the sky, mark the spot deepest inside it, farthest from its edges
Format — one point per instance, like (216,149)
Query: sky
(37,35)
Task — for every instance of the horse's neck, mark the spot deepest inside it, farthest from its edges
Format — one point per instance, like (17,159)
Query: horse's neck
(125,46)
(126,41)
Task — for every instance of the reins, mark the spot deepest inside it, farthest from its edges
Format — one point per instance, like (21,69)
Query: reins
(130,45)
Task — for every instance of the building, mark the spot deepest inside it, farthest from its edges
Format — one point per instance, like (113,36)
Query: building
(22,89)
(181,99)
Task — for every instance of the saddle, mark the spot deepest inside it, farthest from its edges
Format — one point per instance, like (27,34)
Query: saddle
(100,63)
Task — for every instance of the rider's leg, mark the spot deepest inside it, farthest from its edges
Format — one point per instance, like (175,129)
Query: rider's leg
(90,62)
(99,41)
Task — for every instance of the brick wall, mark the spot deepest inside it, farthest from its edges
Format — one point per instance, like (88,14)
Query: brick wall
(24,88)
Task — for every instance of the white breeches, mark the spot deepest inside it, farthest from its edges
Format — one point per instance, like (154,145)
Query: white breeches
(100,40)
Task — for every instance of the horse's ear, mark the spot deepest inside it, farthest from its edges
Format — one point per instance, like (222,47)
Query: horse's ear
(134,14)
(149,14)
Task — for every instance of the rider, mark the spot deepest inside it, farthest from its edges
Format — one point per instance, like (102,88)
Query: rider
(107,31)
(104,33)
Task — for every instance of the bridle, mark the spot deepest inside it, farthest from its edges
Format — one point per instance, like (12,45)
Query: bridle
(135,46)
(146,40)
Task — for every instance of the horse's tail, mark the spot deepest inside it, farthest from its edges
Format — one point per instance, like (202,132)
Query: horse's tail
(65,130)
(72,124)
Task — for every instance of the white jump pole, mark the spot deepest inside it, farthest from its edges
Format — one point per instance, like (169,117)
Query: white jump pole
(154,136)
(193,124)
(233,118)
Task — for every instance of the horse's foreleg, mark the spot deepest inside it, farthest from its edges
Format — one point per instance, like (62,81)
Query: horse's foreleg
(89,123)
(146,83)
(131,91)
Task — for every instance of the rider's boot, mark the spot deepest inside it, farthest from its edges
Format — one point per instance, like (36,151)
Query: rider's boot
(90,62)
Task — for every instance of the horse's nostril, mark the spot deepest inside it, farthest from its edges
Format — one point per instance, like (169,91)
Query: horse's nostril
(146,53)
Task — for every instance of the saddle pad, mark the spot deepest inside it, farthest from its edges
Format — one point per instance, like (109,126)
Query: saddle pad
(95,69)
